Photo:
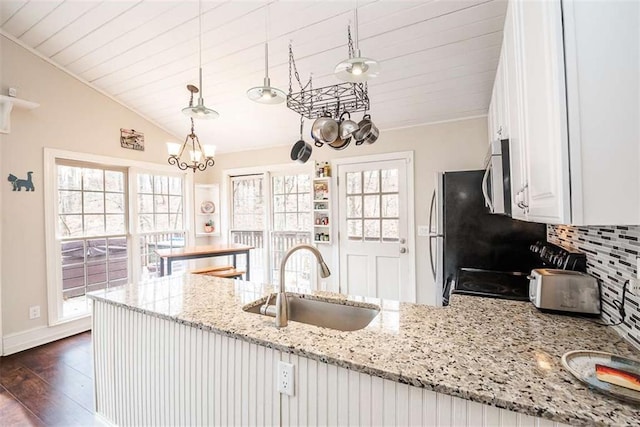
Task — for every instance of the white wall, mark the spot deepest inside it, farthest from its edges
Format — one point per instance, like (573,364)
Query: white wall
(72,116)
(457,145)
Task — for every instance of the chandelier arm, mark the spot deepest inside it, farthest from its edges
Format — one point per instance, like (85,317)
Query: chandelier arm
(184,145)
(174,161)
(197,146)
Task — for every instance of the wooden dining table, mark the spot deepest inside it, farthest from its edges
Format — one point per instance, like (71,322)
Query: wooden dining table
(168,256)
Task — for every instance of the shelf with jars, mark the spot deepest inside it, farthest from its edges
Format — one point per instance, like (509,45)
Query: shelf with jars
(322,203)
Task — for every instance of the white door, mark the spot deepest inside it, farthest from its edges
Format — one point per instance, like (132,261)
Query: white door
(375,255)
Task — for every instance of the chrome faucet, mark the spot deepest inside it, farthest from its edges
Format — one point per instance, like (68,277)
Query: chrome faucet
(282,308)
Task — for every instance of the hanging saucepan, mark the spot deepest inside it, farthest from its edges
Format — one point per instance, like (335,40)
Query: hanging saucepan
(368,132)
(301,151)
(325,129)
(346,127)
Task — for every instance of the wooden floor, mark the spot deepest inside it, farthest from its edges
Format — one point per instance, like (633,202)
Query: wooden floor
(49,385)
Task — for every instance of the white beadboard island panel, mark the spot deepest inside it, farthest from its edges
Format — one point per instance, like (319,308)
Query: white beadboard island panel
(154,371)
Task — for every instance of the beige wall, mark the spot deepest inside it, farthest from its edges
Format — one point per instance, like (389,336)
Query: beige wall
(73,117)
(455,145)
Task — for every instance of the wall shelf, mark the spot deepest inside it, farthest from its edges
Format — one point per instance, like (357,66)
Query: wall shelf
(322,221)
(204,195)
(6,106)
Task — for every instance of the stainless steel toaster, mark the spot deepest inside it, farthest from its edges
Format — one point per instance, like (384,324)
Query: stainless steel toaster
(563,290)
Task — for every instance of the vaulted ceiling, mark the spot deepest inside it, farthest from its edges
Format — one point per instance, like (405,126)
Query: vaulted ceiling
(438,58)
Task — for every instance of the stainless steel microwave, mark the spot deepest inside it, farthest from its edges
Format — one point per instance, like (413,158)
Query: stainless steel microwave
(496,184)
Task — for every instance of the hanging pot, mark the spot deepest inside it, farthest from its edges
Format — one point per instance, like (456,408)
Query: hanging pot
(367,132)
(340,144)
(317,143)
(301,151)
(346,127)
(325,129)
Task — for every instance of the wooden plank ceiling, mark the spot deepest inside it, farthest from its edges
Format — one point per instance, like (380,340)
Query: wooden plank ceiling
(438,58)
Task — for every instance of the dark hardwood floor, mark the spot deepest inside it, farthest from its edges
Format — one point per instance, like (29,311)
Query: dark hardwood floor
(50,385)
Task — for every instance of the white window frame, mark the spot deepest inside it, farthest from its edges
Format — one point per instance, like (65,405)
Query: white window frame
(54,261)
(266,171)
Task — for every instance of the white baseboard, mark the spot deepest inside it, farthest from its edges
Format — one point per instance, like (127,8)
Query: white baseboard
(24,340)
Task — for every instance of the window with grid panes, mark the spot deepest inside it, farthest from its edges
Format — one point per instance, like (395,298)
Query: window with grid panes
(91,231)
(160,219)
(372,205)
(248,220)
(291,206)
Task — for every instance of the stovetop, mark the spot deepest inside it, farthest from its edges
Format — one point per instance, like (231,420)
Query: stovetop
(493,284)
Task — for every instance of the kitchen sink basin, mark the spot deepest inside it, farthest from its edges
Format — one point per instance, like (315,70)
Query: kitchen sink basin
(326,314)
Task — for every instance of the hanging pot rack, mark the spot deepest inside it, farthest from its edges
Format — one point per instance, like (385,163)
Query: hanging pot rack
(312,103)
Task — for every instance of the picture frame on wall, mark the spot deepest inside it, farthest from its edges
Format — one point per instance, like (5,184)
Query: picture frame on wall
(131,139)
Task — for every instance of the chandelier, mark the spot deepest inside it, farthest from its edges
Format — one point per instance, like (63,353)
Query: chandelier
(200,156)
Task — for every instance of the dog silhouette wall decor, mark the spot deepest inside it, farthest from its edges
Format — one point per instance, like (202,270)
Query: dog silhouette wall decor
(19,184)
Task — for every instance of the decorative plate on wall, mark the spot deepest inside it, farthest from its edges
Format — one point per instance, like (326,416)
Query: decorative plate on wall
(582,364)
(207,207)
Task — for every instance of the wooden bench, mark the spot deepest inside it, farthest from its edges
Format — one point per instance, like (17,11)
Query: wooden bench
(227,271)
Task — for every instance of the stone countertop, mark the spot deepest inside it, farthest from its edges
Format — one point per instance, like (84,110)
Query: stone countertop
(497,352)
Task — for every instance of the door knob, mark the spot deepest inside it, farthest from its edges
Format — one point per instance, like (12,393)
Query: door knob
(403,250)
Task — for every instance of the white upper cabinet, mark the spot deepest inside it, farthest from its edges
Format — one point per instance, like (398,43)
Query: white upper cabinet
(572,95)
(512,75)
(544,129)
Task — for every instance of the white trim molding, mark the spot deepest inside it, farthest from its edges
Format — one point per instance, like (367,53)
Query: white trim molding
(53,261)
(30,338)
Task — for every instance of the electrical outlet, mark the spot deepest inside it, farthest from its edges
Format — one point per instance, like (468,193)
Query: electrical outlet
(423,231)
(13,92)
(286,378)
(34,312)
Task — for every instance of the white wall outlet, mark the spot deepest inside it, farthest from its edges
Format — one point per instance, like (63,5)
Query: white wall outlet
(34,312)
(286,378)
(423,230)
(13,92)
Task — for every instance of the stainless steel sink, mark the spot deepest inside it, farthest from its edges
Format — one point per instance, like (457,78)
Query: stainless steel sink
(333,315)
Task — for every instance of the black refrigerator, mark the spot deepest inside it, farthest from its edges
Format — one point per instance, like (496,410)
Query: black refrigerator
(463,234)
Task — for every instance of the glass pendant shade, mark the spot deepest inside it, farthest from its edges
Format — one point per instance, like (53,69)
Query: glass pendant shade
(209,150)
(173,148)
(200,111)
(266,94)
(357,70)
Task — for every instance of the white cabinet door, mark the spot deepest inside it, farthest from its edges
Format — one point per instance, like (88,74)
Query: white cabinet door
(513,96)
(544,106)
(498,115)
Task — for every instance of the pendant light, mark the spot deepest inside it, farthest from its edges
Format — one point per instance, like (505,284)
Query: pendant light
(199,156)
(266,94)
(356,69)
(200,111)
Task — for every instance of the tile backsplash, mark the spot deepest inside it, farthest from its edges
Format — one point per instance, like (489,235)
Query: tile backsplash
(611,257)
